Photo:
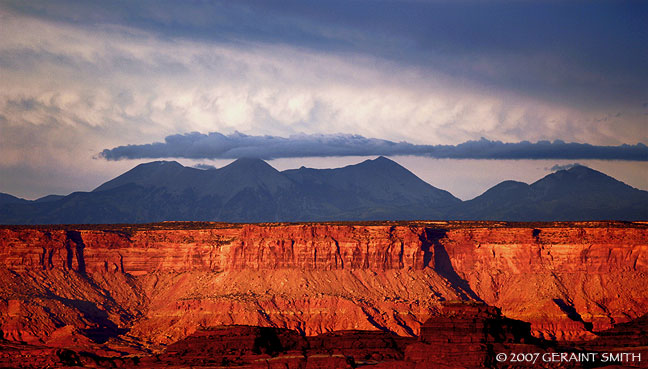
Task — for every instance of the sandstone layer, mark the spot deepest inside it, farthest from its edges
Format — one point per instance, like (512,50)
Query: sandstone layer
(119,290)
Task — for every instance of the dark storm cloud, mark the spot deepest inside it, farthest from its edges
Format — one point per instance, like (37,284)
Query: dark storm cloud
(215,145)
(578,53)
(218,146)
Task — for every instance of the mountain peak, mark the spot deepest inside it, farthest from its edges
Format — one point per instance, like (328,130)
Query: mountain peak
(249,164)
(577,167)
(580,170)
(385,179)
(253,173)
(6,198)
(145,174)
(156,166)
(385,161)
(583,170)
(509,185)
(161,163)
(248,160)
(381,162)
(578,174)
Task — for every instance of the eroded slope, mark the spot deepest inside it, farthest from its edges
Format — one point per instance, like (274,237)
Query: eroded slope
(132,289)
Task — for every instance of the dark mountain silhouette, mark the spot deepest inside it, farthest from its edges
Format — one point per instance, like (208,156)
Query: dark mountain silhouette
(5,198)
(169,174)
(250,190)
(373,189)
(579,193)
(247,190)
(49,198)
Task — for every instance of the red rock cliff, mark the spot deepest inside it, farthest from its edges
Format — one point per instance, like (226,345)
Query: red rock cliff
(159,283)
(248,247)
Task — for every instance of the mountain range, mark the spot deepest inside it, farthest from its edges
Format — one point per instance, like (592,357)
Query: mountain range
(250,190)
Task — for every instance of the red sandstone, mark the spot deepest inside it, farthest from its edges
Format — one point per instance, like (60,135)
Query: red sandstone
(136,288)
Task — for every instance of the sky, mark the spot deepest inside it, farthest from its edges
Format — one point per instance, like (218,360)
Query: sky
(463,93)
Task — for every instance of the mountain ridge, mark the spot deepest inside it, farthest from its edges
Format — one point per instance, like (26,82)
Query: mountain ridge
(251,190)
(578,193)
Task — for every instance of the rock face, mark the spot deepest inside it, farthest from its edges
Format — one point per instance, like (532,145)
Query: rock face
(468,334)
(555,278)
(248,247)
(462,333)
(263,347)
(135,289)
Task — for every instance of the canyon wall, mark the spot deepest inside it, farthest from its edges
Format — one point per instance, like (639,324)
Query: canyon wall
(246,247)
(137,288)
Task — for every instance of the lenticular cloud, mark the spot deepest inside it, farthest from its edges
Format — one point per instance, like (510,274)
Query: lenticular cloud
(236,145)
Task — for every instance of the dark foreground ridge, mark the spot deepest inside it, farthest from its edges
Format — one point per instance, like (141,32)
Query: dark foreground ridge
(462,335)
(250,190)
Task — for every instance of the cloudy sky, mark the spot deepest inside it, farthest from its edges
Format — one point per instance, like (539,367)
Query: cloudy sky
(90,89)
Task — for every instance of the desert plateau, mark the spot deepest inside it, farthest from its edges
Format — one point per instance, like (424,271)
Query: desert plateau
(323,295)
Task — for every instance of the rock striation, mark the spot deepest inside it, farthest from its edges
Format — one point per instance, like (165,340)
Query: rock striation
(246,247)
(135,289)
